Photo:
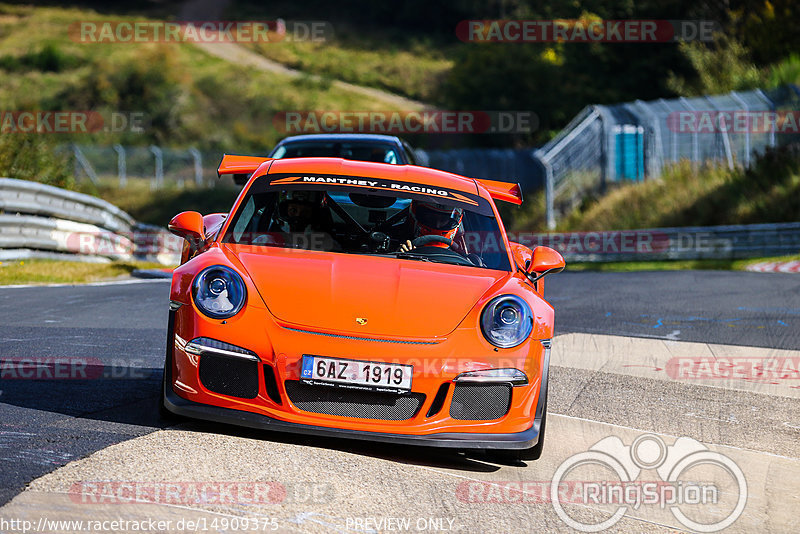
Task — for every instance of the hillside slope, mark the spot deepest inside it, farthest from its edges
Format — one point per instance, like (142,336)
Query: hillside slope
(713,195)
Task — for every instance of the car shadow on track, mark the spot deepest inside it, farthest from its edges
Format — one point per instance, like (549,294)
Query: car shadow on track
(98,392)
(475,461)
(130,396)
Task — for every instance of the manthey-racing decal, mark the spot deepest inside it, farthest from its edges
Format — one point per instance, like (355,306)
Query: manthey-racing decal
(377,185)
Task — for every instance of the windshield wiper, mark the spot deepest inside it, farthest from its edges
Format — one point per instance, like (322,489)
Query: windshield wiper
(410,256)
(435,259)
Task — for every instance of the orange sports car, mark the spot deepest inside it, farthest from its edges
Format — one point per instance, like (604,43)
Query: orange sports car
(362,300)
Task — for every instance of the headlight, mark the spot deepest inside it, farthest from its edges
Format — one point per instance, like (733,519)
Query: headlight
(219,292)
(506,321)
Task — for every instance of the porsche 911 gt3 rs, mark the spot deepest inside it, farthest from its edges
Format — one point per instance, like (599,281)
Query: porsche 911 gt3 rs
(362,300)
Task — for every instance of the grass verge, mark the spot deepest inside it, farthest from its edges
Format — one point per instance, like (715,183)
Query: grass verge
(67,272)
(767,192)
(414,73)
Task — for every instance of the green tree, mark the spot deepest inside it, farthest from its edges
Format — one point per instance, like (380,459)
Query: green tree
(720,68)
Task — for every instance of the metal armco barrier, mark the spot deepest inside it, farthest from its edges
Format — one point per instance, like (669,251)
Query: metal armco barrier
(42,233)
(23,196)
(687,243)
(38,220)
(37,217)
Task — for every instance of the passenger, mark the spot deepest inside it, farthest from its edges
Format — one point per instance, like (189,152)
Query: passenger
(305,220)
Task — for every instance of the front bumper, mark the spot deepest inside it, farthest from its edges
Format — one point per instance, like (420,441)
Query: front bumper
(519,429)
(459,440)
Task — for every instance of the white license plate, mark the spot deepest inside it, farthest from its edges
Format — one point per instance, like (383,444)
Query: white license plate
(377,376)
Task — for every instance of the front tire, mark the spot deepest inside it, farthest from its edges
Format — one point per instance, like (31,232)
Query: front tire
(530,454)
(535,452)
(166,377)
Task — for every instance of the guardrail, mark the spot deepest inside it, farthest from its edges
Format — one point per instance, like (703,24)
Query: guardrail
(38,220)
(686,243)
(23,196)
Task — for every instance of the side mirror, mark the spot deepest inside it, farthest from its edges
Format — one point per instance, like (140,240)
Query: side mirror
(523,256)
(546,261)
(188,225)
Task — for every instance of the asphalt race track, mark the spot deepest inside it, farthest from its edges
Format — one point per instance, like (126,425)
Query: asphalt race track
(616,334)
(120,330)
(733,308)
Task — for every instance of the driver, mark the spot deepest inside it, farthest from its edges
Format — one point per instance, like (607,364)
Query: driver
(297,209)
(431,218)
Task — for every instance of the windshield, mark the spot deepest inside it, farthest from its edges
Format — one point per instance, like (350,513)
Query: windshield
(339,219)
(377,152)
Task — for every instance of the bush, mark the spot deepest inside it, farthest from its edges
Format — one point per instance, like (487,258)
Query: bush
(50,58)
(30,157)
(720,68)
(153,83)
(785,72)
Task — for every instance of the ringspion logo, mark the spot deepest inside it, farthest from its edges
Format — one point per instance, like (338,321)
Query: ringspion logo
(704,490)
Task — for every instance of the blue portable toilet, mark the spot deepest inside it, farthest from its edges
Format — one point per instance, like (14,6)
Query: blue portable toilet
(629,144)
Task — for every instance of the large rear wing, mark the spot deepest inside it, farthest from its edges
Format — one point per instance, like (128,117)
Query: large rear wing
(243,166)
(240,166)
(505,191)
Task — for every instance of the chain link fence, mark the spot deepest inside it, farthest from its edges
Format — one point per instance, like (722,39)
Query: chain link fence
(602,145)
(494,164)
(193,167)
(637,140)
(121,164)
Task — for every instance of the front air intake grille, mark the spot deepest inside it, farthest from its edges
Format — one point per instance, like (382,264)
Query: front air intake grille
(235,377)
(480,402)
(438,400)
(353,402)
(271,384)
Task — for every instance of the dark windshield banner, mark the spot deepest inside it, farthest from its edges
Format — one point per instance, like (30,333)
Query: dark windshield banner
(377,186)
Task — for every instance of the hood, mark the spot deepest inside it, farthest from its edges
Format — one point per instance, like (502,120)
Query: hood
(329,291)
